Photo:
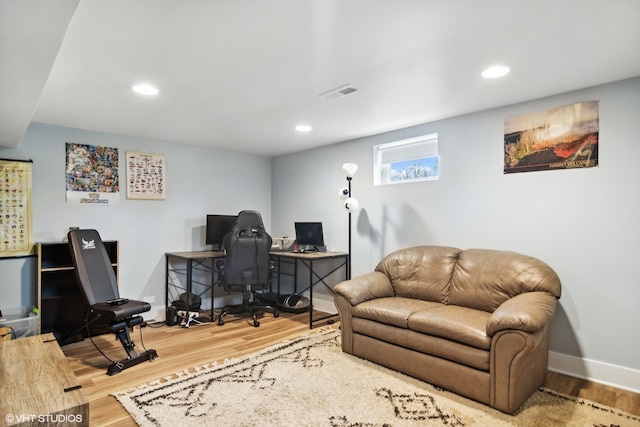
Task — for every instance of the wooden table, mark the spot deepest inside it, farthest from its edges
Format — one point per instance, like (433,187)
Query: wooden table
(307,260)
(203,260)
(37,386)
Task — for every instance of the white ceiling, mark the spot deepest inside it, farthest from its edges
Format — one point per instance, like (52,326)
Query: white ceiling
(240,74)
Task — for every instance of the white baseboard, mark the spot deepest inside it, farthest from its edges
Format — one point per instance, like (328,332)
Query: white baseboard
(592,370)
(324,305)
(158,313)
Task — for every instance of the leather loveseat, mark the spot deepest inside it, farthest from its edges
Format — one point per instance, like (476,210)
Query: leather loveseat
(475,322)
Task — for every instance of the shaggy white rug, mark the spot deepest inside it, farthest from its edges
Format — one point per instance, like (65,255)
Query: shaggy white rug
(310,382)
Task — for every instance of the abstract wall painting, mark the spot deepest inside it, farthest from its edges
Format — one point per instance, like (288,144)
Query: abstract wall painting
(559,138)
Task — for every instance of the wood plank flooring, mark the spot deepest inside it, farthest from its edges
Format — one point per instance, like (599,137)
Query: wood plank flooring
(183,348)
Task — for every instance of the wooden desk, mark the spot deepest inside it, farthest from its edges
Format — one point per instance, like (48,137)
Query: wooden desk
(202,260)
(307,259)
(37,385)
(199,259)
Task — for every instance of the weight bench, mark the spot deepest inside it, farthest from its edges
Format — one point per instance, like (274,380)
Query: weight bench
(97,282)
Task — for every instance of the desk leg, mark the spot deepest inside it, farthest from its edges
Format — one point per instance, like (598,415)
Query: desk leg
(295,276)
(310,294)
(166,284)
(312,283)
(279,277)
(189,279)
(213,289)
(189,285)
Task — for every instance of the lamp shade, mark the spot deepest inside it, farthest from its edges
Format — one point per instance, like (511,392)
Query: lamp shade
(350,169)
(351,204)
(344,193)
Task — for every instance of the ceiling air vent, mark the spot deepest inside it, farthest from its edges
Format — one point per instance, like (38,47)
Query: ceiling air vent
(339,92)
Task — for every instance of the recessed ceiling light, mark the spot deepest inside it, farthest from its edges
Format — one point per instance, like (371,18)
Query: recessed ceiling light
(145,89)
(495,72)
(303,128)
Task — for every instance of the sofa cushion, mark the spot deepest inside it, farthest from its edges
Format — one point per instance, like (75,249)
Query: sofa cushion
(393,311)
(422,272)
(427,344)
(460,324)
(484,278)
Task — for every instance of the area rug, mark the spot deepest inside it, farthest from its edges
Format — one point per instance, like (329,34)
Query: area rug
(311,382)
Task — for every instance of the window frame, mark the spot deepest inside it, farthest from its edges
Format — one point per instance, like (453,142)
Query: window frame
(422,149)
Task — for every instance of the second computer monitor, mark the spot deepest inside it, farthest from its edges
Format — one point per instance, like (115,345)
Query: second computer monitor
(309,236)
(217,227)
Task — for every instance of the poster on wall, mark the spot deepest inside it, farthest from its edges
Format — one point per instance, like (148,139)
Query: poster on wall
(16,225)
(92,175)
(560,138)
(145,176)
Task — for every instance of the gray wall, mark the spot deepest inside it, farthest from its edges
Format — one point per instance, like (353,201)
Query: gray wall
(199,181)
(583,222)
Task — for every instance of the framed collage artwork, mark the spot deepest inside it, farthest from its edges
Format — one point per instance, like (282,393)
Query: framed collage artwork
(92,176)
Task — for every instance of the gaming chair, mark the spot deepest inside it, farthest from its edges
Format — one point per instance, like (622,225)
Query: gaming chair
(247,266)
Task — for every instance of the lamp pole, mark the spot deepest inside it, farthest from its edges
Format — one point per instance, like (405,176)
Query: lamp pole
(351,204)
(349,256)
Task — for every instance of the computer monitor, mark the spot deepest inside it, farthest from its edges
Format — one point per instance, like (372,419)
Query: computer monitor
(217,227)
(309,236)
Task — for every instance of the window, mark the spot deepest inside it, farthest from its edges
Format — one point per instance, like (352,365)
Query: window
(408,160)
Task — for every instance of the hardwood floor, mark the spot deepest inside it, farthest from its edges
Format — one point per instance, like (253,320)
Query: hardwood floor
(183,348)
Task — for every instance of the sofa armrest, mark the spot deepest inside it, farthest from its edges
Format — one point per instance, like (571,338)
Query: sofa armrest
(528,312)
(365,287)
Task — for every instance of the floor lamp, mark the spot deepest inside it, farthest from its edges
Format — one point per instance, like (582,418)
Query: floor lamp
(350,204)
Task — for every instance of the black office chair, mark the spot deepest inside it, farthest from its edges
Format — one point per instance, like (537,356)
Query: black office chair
(97,282)
(246,266)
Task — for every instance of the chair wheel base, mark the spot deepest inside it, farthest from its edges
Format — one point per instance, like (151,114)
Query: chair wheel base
(246,309)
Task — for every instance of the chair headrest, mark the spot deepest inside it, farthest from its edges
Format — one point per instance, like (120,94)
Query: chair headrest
(252,218)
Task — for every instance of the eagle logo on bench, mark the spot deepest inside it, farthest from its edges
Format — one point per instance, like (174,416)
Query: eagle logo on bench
(91,244)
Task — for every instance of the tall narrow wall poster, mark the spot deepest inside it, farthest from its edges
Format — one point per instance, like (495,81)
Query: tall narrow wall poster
(92,175)
(16,225)
(145,176)
(560,138)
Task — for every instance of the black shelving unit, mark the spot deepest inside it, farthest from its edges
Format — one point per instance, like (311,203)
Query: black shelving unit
(59,299)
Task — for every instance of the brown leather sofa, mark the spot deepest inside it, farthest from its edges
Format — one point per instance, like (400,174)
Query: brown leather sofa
(475,322)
